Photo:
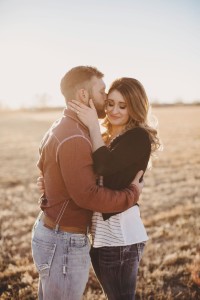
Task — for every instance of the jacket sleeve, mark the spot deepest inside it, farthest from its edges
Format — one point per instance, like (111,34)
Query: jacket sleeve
(133,146)
(76,164)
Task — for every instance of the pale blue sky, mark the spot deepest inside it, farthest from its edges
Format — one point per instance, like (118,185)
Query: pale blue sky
(157,42)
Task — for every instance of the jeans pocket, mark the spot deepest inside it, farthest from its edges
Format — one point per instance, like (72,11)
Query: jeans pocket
(43,253)
(77,257)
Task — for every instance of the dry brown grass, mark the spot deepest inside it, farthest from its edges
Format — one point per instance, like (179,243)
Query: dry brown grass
(170,207)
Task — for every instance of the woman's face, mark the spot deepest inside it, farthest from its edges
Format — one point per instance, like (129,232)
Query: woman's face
(116,109)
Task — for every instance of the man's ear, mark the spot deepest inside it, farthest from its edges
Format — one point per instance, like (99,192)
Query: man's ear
(83,96)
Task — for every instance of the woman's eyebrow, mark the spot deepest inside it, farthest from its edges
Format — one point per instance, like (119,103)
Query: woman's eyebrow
(120,102)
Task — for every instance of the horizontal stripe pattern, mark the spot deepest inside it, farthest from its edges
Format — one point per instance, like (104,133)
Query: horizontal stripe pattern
(123,229)
(106,232)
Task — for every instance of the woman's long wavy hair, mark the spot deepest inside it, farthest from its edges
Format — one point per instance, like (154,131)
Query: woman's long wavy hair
(138,108)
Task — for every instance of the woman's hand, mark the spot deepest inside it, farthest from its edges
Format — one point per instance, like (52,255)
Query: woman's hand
(40,184)
(87,115)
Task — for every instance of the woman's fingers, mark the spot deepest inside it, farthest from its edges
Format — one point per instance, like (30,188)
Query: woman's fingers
(40,179)
(77,108)
(79,104)
(40,184)
(71,105)
(74,107)
(91,103)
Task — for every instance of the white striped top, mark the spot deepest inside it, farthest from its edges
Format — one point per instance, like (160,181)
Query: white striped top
(123,229)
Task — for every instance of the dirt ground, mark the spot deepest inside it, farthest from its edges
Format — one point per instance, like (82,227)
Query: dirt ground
(170,207)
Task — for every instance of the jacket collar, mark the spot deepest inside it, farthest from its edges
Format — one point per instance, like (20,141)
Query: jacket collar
(72,115)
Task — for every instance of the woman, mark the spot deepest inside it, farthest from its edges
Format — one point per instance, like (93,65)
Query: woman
(119,239)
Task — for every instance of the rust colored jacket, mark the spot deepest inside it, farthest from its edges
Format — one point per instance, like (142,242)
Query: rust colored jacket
(67,166)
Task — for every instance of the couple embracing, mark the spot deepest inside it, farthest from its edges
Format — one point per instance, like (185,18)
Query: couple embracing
(91,184)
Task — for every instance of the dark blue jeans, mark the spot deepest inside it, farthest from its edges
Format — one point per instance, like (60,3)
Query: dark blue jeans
(116,269)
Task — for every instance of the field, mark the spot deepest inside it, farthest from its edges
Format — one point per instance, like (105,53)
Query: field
(170,207)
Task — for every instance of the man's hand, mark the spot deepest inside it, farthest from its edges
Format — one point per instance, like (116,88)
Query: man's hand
(137,183)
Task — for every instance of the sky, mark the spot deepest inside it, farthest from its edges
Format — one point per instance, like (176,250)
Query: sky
(154,41)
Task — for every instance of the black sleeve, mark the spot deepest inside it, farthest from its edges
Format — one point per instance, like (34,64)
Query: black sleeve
(132,146)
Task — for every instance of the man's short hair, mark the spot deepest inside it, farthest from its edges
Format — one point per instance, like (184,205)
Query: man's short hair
(77,78)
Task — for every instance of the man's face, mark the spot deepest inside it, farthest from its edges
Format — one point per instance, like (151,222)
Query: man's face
(98,95)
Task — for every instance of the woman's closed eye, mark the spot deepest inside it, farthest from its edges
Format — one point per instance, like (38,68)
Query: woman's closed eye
(110,103)
(122,106)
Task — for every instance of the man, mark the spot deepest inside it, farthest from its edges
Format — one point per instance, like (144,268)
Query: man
(60,244)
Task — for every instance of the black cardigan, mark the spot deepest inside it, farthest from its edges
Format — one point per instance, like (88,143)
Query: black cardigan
(119,163)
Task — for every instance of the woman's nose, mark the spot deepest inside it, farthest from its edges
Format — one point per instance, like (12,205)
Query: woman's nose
(115,109)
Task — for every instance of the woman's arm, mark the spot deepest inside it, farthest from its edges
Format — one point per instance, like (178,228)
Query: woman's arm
(88,116)
(132,147)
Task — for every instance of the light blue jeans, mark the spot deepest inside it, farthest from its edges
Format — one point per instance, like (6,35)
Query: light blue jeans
(62,260)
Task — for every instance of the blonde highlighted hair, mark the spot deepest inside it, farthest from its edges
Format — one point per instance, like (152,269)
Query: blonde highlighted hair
(138,107)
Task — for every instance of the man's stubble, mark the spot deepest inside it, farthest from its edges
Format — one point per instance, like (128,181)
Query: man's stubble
(99,108)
